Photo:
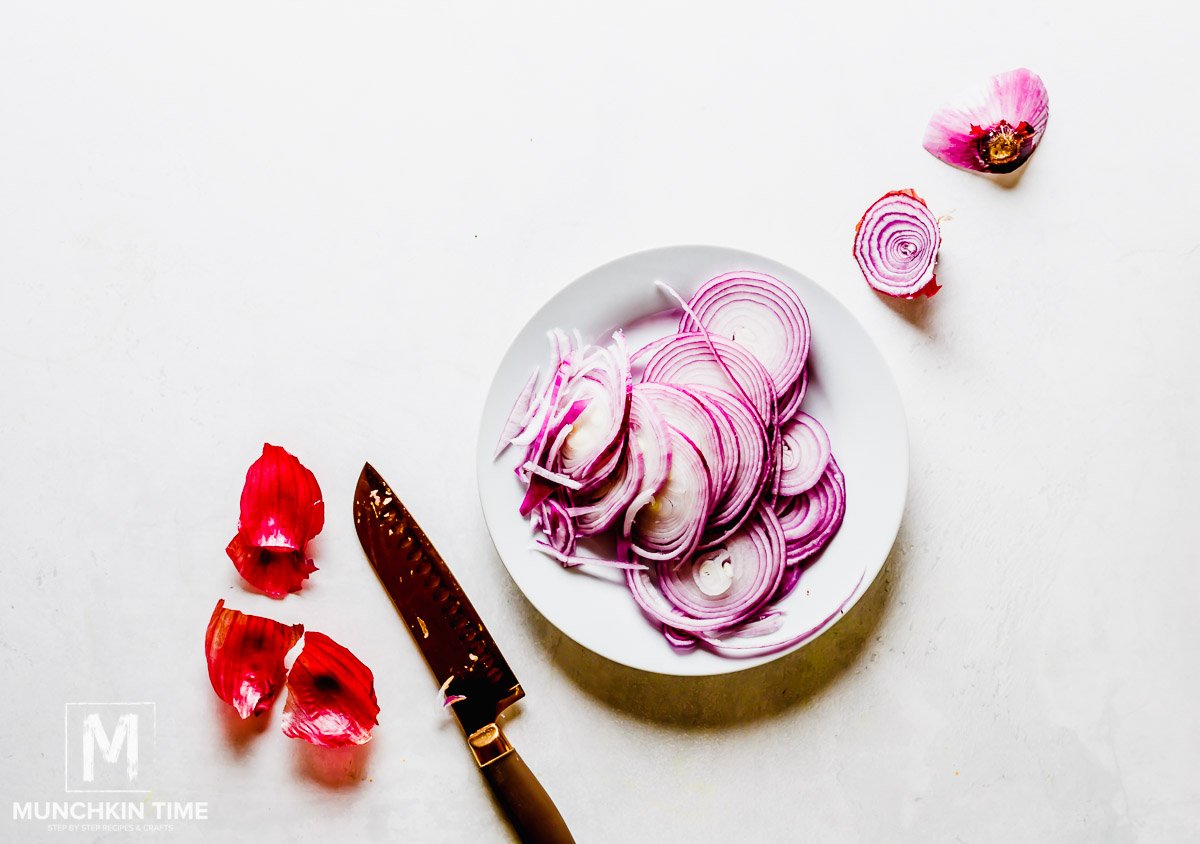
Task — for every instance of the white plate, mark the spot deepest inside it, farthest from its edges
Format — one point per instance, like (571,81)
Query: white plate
(850,390)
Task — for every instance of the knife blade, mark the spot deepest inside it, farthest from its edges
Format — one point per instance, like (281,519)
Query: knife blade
(458,649)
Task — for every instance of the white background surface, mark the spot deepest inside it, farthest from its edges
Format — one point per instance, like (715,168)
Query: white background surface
(320,225)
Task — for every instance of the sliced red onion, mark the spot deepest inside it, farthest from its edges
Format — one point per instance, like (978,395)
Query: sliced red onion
(687,360)
(811,519)
(790,401)
(759,312)
(604,383)
(805,455)
(670,524)
(558,526)
(733,645)
(573,560)
(705,425)
(518,416)
(716,485)
(652,439)
(749,461)
(597,510)
(756,564)
(896,245)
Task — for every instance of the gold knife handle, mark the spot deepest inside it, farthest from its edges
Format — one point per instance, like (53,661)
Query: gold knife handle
(529,808)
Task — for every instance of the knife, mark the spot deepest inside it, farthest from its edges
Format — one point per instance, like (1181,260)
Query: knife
(458,649)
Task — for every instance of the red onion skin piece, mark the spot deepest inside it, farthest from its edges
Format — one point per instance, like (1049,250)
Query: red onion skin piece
(331,695)
(903,225)
(245,658)
(757,303)
(281,510)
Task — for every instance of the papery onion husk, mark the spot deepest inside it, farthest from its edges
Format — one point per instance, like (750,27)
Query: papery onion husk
(994,127)
(896,245)
(331,695)
(281,510)
(759,312)
(245,658)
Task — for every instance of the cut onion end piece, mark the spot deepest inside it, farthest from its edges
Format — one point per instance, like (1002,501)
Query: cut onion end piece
(245,658)
(994,127)
(331,696)
(896,245)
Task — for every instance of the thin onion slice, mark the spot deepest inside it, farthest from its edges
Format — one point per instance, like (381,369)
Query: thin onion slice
(688,360)
(805,455)
(756,557)
(790,401)
(811,519)
(705,426)
(759,312)
(518,414)
(671,523)
(738,646)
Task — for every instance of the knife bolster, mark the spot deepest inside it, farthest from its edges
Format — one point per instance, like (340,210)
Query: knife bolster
(488,744)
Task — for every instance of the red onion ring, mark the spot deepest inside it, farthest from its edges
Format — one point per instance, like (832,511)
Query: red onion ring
(759,312)
(805,455)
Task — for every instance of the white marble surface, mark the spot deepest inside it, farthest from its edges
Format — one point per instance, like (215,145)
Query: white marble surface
(207,208)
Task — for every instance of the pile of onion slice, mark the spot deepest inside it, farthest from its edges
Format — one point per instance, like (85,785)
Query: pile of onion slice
(693,457)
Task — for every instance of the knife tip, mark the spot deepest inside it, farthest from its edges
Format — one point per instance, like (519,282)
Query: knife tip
(370,478)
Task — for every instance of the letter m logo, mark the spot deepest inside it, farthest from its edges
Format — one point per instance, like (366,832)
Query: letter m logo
(110,746)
